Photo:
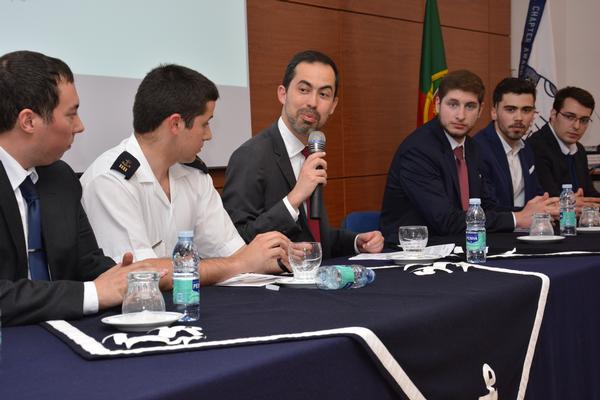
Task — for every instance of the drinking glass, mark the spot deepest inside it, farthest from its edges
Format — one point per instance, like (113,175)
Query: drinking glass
(589,217)
(541,225)
(305,258)
(413,238)
(143,293)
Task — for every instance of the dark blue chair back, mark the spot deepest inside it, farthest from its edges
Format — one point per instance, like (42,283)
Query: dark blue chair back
(362,221)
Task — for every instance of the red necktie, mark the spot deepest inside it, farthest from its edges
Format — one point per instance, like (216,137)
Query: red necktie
(313,224)
(463,177)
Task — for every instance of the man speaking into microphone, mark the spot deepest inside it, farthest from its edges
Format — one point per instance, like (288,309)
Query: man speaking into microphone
(270,178)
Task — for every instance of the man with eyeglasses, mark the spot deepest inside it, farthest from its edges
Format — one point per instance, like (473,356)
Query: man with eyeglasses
(438,168)
(559,157)
(508,161)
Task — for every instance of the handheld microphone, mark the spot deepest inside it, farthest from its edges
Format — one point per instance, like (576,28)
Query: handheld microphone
(316,143)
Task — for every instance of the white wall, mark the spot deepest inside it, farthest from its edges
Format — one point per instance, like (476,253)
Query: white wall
(577,46)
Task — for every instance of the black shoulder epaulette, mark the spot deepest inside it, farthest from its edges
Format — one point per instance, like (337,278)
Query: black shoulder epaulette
(198,164)
(126,164)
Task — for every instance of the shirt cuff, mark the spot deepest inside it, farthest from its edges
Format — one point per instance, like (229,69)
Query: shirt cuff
(356,244)
(293,212)
(514,221)
(90,298)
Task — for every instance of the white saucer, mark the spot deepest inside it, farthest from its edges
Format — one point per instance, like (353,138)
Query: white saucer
(407,258)
(540,239)
(588,229)
(292,282)
(141,321)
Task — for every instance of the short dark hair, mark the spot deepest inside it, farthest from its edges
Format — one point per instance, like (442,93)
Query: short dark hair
(582,96)
(309,56)
(512,85)
(29,80)
(464,80)
(170,89)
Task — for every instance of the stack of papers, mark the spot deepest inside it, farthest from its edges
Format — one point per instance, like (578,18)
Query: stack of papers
(439,251)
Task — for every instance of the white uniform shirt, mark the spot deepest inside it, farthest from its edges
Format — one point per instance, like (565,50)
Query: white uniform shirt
(136,215)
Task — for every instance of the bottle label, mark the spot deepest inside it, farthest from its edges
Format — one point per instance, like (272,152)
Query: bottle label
(346,276)
(476,241)
(567,218)
(186,291)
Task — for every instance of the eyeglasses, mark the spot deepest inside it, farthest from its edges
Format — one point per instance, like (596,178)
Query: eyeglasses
(572,118)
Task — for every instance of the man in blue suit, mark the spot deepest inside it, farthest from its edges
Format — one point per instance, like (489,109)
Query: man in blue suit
(508,162)
(438,168)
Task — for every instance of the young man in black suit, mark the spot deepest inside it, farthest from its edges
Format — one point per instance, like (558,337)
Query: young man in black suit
(51,266)
(559,157)
(508,160)
(269,180)
(438,168)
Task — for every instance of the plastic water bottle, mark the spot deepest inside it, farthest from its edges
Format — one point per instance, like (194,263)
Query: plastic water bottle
(186,281)
(475,235)
(333,277)
(568,222)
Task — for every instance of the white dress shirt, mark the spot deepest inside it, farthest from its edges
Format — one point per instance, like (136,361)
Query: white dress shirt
(136,215)
(16,175)
(516,171)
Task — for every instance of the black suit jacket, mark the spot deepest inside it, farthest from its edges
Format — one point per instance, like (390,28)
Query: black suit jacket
(552,167)
(71,250)
(259,175)
(422,186)
(497,172)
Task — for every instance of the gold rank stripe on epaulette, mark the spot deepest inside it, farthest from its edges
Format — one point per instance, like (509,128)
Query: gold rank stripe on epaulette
(126,164)
(198,164)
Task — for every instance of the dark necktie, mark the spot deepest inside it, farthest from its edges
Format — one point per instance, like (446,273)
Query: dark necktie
(38,267)
(463,177)
(572,171)
(313,224)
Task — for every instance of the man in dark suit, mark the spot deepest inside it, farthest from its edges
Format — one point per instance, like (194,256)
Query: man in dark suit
(559,157)
(438,168)
(508,161)
(269,179)
(51,266)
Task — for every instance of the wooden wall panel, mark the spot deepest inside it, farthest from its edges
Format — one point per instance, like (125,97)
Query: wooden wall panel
(464,14)
(411,10)
(499,17)
(376,45)
(377,113)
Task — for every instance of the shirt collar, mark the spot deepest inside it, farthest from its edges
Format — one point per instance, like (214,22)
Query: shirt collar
(564,148)
(144,172)
(15,172)
(453,142)
(507,147)
(293,145)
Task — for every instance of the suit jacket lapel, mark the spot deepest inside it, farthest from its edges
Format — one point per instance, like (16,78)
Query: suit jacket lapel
(500,155)
(9,211)
(449,160)
(281,156)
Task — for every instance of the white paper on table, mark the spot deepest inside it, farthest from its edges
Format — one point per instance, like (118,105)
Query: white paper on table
(250,280)
(441,250)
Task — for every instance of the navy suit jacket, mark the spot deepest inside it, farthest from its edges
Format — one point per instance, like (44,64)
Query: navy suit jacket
(71,250)
(259,175)
(422,186)
(497,173)
(552,167)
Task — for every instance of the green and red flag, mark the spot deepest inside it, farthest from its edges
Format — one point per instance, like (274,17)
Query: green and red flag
(433,63)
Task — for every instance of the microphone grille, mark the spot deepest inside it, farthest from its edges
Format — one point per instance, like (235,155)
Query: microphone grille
(316,141)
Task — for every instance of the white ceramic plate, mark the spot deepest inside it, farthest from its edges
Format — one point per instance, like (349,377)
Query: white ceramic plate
(142,321)
(588,229)
(408,258)
(290,281)
(540,239)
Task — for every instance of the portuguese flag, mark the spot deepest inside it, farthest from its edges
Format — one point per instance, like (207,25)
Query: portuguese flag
(433,63)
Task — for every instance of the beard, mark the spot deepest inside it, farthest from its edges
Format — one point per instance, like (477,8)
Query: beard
(301,126)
